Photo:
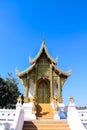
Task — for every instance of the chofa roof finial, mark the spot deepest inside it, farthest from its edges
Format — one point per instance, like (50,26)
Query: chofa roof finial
(17,71)
(56,60)
(30,60)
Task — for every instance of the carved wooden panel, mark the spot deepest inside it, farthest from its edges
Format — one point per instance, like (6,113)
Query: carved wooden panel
(43,93)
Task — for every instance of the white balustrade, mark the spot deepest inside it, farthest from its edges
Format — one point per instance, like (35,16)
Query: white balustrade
(73,118)
(18,120)
(11,119)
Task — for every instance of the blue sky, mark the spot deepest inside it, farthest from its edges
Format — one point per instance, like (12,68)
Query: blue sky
(64,24)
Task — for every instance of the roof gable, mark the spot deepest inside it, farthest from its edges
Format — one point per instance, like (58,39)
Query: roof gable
(43,48)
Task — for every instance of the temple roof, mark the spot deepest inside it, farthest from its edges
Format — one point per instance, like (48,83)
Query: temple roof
(58,70)
(25,71)
(43,47)
(67,74)
(33,63)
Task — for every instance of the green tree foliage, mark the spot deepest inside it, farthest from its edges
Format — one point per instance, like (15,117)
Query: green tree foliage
(3,92)
(8,92)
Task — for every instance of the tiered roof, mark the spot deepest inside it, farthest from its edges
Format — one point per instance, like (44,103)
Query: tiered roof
(33,63)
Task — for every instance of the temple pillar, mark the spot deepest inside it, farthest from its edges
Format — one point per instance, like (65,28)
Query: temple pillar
(27,91)
(51,83)
(26,87)
(35,89)
(59,87)
(35,83)
(59,90)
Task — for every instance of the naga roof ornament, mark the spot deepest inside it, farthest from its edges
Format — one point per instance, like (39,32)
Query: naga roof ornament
(56,60)
(30,60)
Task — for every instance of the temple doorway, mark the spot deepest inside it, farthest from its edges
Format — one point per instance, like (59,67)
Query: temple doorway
(43,92)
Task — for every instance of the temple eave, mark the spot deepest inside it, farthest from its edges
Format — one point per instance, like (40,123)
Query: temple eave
(20,74)
(66,74)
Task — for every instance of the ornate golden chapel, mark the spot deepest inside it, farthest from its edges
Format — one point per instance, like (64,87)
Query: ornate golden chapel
(43,80)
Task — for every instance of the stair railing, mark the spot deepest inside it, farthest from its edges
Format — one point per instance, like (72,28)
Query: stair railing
(73,117)
(19,121)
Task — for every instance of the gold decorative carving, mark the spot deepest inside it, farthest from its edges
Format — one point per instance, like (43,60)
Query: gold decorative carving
(58,99)
(71,99)
(26,99)
(56,104)
(19,99)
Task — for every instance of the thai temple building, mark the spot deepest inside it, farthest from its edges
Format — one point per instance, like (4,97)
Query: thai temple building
(43,107)
(43,80)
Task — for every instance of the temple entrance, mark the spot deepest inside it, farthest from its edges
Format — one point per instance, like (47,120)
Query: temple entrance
(43,92)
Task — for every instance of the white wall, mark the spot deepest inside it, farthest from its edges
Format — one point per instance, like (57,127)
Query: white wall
(55,90)
(73,118)
(31,89)
(83,115)
(11,119)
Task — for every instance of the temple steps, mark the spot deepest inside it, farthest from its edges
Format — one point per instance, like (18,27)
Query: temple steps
(45,120)
(46,125)
(44,111)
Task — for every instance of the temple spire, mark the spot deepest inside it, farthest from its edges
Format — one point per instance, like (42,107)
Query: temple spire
(43,38)
(43,43)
